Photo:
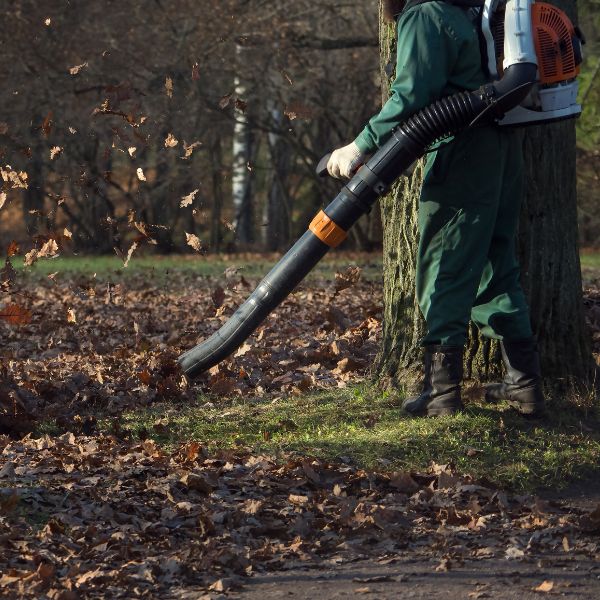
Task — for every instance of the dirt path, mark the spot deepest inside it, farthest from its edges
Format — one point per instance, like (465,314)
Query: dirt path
(571,577)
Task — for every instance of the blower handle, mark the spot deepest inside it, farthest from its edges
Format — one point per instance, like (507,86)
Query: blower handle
(322,166)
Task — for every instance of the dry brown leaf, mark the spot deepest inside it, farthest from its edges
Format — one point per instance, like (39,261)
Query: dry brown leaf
(171,141)
(15,315)
(76,70)
(13,249)
(193,241)
(169,87)
(189,150)
(67,233)
(130,252)
(71,316)
(55,151)
(187,200)
(546,586)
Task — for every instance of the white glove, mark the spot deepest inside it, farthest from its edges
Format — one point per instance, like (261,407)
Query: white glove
(345,161)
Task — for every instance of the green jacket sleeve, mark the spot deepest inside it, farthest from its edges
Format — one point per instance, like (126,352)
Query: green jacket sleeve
(427,53)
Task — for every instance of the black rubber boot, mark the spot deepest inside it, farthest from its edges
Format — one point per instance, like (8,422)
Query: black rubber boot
(522,384)
(441,385)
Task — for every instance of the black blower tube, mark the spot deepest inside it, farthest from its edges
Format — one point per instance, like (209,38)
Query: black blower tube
(408,142)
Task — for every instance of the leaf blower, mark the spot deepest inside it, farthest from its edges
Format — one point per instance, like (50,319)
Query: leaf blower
(532,53)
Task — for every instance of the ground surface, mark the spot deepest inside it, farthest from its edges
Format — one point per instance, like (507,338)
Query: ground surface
(282,473)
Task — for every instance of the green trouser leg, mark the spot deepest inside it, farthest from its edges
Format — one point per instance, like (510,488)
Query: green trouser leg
(466,263)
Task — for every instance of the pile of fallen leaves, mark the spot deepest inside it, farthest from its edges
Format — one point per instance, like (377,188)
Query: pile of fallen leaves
(72,347)
(98,517)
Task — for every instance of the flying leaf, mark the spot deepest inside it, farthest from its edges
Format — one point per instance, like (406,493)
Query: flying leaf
(224,101)
(67,233)
(171,141)
(193,241)
(49,249)
(130,252)
(187,200)
(131,150)
(189,149)
(55,151)
(15,315)
(75,70)
(13,248)
(169,87)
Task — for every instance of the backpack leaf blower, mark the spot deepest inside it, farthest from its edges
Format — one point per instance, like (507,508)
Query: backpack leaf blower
(533,57)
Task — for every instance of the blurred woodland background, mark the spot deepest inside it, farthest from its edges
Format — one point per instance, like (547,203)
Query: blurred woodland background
(179,125)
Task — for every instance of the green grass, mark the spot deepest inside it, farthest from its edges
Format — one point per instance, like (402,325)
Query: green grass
(253,267)
(369,428)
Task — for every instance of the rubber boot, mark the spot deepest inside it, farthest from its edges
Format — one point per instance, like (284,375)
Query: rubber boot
(441,384)
(522,384)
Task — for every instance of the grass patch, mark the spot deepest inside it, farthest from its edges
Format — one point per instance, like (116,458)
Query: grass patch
(368,427)
(160,267)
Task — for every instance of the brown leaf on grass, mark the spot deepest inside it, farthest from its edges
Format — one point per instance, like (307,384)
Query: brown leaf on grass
(193,241)
(404,483)
(15,315)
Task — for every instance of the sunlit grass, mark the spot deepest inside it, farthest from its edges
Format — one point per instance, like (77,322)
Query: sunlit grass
(368,427)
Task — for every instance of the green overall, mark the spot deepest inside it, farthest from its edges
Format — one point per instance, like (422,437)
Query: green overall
(472,188)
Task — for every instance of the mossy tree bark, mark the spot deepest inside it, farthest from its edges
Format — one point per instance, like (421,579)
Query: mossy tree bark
(548,250)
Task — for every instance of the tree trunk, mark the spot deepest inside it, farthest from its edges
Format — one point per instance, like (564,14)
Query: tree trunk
(241,178)
(277,213)
(548,252)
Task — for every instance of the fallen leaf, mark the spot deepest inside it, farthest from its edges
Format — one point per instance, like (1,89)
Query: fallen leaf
(15,315)
(546,586)
(140,174)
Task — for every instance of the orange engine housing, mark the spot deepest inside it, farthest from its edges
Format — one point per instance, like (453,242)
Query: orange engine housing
(554,33)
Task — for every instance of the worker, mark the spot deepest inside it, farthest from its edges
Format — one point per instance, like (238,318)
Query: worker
(468,212)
